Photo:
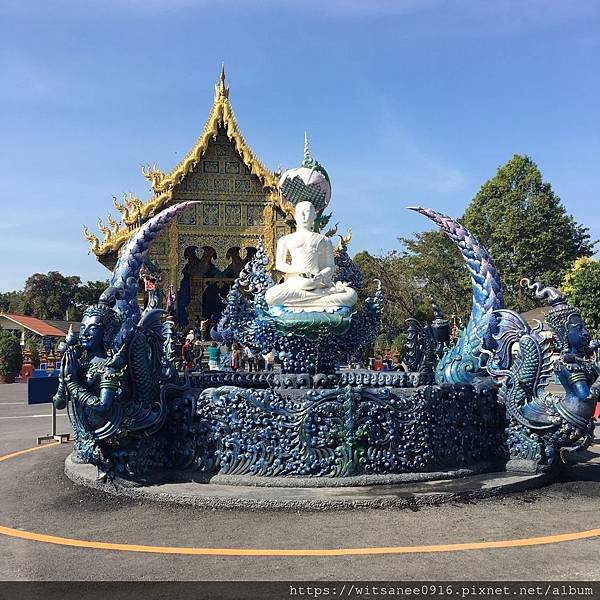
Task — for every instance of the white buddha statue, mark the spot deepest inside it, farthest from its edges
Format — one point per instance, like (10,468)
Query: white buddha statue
(307,259)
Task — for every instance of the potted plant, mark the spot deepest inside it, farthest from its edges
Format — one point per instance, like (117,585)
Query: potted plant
(11,357)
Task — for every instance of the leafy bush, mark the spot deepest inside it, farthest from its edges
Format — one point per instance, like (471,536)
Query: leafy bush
(381,343)
(399,343)
(11,357)
(581,286)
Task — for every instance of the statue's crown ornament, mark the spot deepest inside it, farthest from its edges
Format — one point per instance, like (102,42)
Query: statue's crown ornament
(308,183)
(104,309)
(560,310)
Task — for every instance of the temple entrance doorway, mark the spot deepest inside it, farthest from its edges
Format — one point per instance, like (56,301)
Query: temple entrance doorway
(203,288)
(214,297)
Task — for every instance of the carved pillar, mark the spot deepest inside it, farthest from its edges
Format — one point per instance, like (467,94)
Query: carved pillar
(269,232)
(173,257)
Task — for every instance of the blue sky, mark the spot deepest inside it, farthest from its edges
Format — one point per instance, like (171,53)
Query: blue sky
(406,102)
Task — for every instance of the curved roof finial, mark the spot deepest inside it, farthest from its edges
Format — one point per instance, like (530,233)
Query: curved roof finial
(221,90)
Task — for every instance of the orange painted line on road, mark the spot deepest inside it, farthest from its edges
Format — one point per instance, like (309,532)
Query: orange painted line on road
(27,451)
(519,543)
(290,552)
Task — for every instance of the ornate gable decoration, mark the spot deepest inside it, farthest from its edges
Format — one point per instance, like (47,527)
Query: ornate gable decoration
(134,212)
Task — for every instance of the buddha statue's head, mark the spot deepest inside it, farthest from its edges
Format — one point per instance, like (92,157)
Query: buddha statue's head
(305,215)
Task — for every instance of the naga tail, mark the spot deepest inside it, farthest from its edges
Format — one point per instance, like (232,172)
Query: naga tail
(124,281)
(462,363)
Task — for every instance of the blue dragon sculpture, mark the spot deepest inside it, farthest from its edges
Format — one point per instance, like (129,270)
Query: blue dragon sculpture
(543,427)
(464,361)
(111,377)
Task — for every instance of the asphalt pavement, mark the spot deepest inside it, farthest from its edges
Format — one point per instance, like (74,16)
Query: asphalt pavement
(37,497)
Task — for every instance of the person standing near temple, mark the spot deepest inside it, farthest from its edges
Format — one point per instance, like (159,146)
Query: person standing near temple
(187,354)
(251,359)
(214,355)
(236,356)
(204,330)
(269,360)
(198,354)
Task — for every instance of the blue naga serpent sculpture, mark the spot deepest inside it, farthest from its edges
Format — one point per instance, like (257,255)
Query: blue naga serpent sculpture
(131,416)
(111,377)
(464,361)
(544,426)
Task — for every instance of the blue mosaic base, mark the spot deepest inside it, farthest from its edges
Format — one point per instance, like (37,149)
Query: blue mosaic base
(348,431)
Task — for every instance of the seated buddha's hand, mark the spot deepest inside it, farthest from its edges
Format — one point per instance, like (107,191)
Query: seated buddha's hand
(319,281)
(305,283)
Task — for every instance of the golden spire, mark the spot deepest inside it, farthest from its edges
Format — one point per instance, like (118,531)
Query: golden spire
(344,240)
(221,90)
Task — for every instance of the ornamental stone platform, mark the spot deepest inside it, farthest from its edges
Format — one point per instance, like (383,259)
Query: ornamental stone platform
(406,490)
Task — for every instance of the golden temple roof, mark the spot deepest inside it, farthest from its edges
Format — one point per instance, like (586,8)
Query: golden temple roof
(134,211)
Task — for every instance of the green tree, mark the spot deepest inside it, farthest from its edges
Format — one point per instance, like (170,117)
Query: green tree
(56,296)
(526,229)
(50,296)
(381,343)
(434,263)
(581,287)
(11,302)
(403,299)
(85,295)
(399,343)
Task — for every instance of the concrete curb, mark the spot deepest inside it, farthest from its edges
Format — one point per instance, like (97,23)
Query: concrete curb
(244,497)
